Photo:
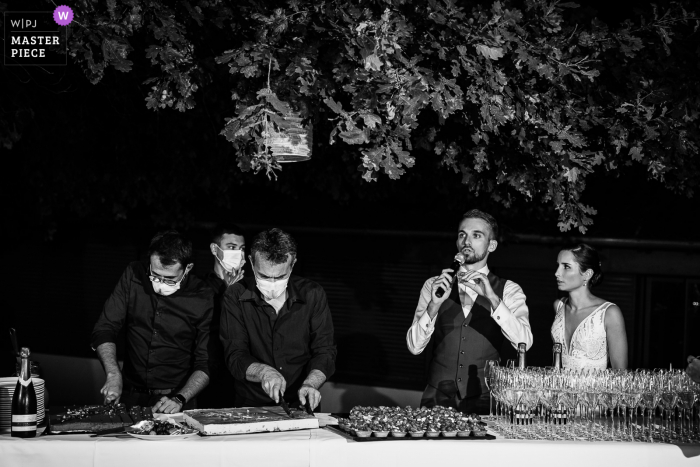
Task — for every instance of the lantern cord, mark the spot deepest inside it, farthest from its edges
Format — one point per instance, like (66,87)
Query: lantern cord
(267,117)
(269,67)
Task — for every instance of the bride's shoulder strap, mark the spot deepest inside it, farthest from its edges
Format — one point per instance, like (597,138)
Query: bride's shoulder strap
(560,303)
(604,307)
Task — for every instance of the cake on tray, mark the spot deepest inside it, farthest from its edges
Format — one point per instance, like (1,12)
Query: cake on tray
(244,420)
(93,418)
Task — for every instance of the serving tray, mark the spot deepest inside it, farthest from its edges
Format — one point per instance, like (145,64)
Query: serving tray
(349,435)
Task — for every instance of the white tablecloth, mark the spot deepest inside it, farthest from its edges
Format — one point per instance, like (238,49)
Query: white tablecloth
(322,448)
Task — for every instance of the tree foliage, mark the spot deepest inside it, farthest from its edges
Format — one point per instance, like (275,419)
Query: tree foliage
(524,99)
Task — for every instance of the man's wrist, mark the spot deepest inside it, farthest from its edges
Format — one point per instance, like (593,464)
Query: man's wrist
(495,302)
(309,385)
(180,399)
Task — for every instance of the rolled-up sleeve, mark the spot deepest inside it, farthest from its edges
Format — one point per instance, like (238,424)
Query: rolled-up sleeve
(234,337)
(321,339)
(113,313)
(201,349)
(419,333)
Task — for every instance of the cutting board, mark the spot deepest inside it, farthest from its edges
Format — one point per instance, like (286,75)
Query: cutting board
(242,420)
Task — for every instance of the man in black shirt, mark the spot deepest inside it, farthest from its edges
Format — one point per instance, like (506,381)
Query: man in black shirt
(228,248)
(276,328)
(166,313)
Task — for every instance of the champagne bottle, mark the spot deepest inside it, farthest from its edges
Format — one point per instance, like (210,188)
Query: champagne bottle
(559,413)
(24,402)
(557,356)
(521,355)
(521,416)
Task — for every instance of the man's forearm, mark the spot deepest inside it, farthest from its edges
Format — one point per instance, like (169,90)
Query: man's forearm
(495,301)
(432,310)
(107,353)
(315,379)
(197,381)
(255,371)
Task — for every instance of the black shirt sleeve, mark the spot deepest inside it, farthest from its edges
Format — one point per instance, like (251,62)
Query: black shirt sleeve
(201,348)
(113,313)
(321,341)
(234,336)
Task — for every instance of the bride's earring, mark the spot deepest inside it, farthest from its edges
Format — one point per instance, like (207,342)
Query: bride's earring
(584,283)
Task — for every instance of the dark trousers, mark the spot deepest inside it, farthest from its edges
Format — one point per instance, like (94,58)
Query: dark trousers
(448,396)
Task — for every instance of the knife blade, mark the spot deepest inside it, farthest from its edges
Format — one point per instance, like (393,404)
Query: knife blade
(307,406)
(284,406)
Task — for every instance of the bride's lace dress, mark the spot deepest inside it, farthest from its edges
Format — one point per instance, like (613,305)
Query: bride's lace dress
(589,343)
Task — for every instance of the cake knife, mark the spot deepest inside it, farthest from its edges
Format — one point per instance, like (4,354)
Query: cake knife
(307,406)
(284,405)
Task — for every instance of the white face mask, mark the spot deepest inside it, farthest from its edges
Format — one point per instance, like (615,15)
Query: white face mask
(166,289)
(271,289)
(232,259)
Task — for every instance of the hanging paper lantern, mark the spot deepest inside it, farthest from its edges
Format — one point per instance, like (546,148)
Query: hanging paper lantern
(288,139)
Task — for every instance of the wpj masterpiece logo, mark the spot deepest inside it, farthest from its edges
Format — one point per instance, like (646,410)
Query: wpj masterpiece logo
(37,37)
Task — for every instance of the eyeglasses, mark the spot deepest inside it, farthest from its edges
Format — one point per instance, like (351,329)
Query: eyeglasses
(162,280)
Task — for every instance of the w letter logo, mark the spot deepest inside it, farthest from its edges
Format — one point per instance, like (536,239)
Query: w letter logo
(63,15)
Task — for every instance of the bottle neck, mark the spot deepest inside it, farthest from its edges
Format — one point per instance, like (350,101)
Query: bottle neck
(557,360)
(521,360)
(25,373)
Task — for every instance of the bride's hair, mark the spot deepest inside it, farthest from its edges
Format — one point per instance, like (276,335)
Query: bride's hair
(587,258)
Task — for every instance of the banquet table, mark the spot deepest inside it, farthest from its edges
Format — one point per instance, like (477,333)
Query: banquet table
(322,447)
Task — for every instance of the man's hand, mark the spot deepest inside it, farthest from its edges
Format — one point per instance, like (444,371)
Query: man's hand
(234,276)
(167,405)
(112,390)
(273,383)
(306,391)
(693,368)
(480,284)
(444,281)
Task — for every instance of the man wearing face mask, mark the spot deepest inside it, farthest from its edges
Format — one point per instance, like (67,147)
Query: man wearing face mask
(166,312)
(276,328)
(228,248)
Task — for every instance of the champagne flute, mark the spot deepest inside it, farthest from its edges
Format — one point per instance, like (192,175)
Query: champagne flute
(686,398)
(488,379)
(669,398)
(648,404)
(590,399)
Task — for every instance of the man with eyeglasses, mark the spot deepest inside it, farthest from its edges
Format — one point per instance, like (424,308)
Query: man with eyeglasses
(166,313)
(228,248)
(276,328)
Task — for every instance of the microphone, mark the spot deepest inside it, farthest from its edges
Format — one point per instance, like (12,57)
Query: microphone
(456,264)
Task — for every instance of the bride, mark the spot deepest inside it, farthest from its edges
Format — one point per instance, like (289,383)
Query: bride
(590,329)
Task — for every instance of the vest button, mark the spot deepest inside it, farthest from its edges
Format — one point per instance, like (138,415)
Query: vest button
(463,337)
(461,366)
(459,379)
(462,352)
(465,325)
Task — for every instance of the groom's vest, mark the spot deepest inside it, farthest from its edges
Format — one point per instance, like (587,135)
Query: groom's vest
(461,346)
